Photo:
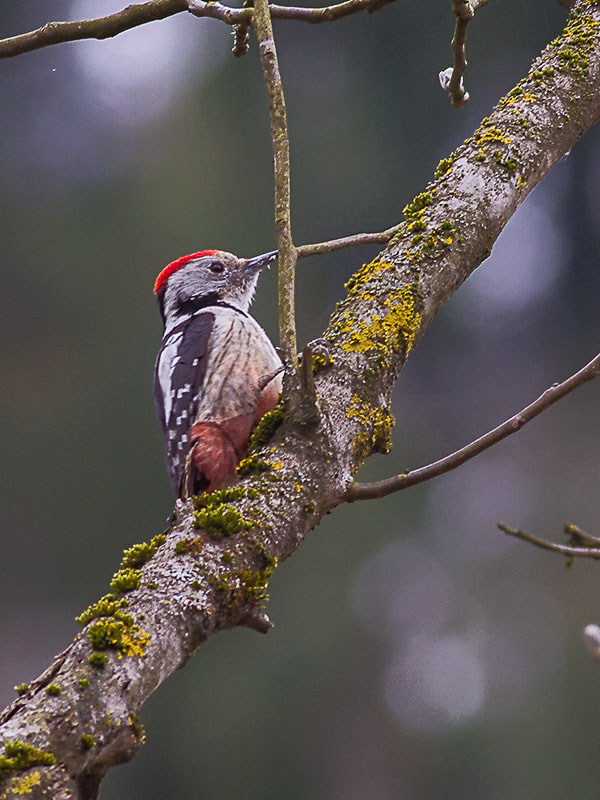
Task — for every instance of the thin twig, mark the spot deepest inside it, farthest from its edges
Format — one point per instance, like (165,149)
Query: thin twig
(98,28)
(579,538)
(140,13)
(451,79)
(455,88)
(347,241)
(371,491)
(328,13)
(563,549)
(281,157)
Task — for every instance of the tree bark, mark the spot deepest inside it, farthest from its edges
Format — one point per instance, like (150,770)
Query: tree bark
(212,570)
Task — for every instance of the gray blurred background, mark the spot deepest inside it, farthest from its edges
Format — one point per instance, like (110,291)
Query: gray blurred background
(418,653)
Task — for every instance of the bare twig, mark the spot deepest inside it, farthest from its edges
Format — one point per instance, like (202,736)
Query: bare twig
(579,538)
(98,28)
(354,240)
(371,491)
(328,13)
(454,87)
(140,13)
(281,156)
(563,549)
(451,79)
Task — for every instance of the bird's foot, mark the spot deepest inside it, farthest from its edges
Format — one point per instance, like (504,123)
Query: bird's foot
(315,355)
(265,380)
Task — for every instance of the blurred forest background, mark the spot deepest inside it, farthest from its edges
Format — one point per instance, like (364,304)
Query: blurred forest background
(418,652)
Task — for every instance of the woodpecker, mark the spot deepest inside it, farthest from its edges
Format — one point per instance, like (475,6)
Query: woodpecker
(216,372)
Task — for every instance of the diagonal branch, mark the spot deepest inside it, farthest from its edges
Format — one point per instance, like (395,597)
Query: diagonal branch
(281,157)
(372,491)
(140,13)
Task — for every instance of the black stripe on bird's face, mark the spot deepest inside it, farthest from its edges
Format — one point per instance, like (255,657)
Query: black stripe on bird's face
(192,304)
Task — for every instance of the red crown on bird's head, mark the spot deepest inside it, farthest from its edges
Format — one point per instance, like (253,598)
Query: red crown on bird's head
(165,274)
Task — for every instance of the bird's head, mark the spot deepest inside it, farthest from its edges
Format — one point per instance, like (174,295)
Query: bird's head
(208,276)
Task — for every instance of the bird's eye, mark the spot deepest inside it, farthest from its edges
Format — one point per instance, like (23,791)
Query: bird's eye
(216,266)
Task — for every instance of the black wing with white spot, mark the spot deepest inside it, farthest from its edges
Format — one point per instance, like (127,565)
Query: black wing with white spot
(178,383)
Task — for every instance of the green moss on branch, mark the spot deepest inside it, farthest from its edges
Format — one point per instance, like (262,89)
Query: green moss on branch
(20,756)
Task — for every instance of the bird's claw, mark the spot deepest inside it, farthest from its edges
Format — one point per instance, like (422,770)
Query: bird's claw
(265,380)
(319,348)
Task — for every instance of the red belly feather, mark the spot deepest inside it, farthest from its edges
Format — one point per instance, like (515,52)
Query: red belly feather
(218,447)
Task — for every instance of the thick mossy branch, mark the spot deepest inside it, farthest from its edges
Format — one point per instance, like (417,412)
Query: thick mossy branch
(438,244)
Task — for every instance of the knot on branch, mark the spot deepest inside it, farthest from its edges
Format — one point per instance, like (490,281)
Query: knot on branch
(257,619)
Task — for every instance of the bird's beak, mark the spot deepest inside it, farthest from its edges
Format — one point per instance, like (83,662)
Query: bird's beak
(258,262)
